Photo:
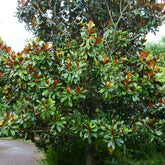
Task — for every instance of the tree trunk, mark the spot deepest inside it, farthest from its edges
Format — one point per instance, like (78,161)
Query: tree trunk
(164,131)
(124,151)
(90,155)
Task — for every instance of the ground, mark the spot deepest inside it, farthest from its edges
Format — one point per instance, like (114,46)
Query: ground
(17,153)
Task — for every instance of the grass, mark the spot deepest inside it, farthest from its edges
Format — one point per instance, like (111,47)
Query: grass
(6,138)
(155,159)
(19,140)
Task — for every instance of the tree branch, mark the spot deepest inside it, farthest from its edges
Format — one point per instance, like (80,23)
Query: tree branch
(49,20)
(109,12)
(55,14)
(132,39)
(116,23)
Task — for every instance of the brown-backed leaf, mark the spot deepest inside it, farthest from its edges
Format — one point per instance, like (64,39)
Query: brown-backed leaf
(149,119)
(77,63)
(116,61)
(22,1)
(150,104)
(40,76)
(149,66)
(7,49)
(69,65)
(151,73)
(152,122)
(91,37)
(143,54)
(1,45)
(38,111)
(108,84)
(160,103)
(33,23)
(105,58)
(156,68)
(128,75)
(142,122)
(25,109)
(78,90)
(140,3)
(163,101)
(49,4)
(56,82)
(148,58)
(114,123)
(110,21)
(134,88)
(20,59)
(33,110)
(35,75)
(68,59)
(113,132)
(68,89)
(99,39)
(90,24)
(123,82)
(45,46)
(68,43)
(111,150)
(94,9)
(134,128)
(7,114)
(47,82)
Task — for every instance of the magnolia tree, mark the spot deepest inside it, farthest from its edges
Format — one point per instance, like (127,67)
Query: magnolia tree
(93,82)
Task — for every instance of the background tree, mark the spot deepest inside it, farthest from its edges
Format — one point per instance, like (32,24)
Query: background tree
(157,48)
(98,86)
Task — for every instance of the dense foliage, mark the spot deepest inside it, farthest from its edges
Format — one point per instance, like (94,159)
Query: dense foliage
(97,85)
(56,20)
(3,107)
